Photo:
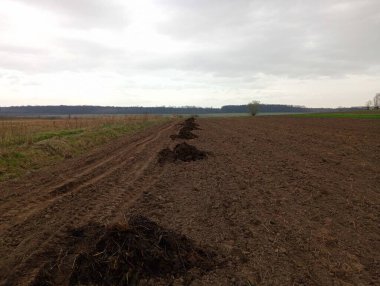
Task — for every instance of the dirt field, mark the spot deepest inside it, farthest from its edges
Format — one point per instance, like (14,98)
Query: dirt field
(268,201)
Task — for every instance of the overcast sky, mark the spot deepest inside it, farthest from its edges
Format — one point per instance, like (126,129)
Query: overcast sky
(322,53)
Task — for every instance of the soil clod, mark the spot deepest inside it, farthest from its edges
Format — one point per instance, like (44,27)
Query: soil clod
(183,152)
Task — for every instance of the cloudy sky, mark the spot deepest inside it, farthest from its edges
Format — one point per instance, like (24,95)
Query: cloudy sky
(323,53)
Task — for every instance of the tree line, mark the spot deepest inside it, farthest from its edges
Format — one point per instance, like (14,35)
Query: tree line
(99,110)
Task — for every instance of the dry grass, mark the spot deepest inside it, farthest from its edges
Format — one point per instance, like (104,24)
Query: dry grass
(15,131)
(31,143)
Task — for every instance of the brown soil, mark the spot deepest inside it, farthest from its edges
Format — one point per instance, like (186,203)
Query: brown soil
(282,201)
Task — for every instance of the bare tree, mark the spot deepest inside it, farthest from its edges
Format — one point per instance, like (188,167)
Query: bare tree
(376,101)
(253,107)
(368,104)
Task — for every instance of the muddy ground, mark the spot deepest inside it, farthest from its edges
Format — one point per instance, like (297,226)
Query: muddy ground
(276,201)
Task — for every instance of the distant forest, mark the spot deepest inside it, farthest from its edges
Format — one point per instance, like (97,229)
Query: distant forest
(86,109)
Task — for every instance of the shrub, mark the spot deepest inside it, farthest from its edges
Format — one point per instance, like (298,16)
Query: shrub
(253,107)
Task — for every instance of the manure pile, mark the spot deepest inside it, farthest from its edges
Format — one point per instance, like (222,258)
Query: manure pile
(138,253)
(185,132)
(183,151)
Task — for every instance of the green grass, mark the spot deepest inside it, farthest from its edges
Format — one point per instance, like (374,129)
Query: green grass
(58,134)
(364,115)
(54,146)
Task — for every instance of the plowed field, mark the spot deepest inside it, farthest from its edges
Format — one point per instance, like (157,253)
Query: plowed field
(258,201)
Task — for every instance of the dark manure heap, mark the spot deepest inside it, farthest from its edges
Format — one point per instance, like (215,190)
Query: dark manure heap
(187,153)
(190,123)
(166,155)
(142,250)
(185,132)
(139,253)
(182,152)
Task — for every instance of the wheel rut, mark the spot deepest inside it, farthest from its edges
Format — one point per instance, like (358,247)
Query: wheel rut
(42,196)
(100,193)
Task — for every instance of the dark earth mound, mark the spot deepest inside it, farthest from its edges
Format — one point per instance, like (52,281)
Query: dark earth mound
(184,133)
(183,152)
(190,120)
(187,153)
(166,155)
(141,250)
(44,276)
(191,124)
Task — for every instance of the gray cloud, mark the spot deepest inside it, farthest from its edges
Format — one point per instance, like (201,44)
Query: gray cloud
(96,54)
(291,38)
(226,38)
(226,50)
(84,14)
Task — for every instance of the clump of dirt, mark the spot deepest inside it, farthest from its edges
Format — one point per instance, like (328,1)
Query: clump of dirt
(44,276)
(124,255)
(166,155)
(187,153)
(57,268)
(190,123)
(138,253)
(184,133)
(183,152)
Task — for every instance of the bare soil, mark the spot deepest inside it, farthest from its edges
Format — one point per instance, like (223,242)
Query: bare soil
(281,201)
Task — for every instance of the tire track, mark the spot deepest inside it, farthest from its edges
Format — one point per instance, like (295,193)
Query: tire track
(96,198)
(42,196)
(41,181)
